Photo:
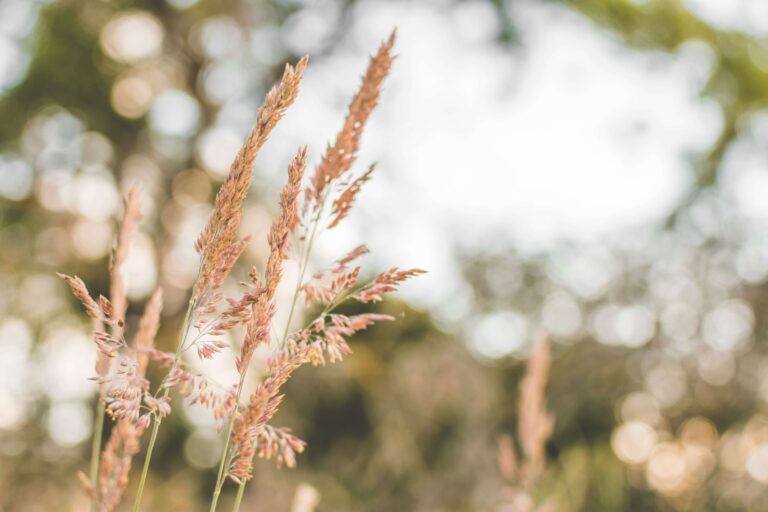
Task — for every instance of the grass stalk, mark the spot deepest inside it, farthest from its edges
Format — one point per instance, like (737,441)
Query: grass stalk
(156,424)
(221,476)
(147,459)
(239,497)
(302,271)
(98,433)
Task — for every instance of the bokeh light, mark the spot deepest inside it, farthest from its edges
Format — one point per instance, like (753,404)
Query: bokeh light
(132,36)
(592,170)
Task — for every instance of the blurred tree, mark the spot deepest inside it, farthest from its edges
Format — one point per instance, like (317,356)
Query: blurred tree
(410,423)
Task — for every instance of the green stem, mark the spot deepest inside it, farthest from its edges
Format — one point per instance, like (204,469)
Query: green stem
(98,432)
(300,280)
(221,476)
(239,497)
(156,426)
(145,469)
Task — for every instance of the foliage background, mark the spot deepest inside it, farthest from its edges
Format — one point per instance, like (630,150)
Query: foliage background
(637,238)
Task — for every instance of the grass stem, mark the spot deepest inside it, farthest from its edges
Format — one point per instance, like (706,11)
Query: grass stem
(145,469)
(221,476)
(239,497)
(98,433)
(156,424)
(302,271)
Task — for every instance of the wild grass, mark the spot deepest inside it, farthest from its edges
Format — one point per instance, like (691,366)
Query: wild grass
(308,207)
(523,471)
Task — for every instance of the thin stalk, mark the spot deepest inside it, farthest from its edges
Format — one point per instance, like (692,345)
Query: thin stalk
(302,271)
(330,307)
(145,469)
(156,425)
(98,429)
(239,497)
(221,476)
(98,432)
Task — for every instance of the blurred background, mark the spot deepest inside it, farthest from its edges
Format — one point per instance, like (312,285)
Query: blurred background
(594,168)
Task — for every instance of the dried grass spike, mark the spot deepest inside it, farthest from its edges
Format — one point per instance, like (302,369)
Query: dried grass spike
(126,233)
(148,327)
(507,457)
(80,291)
(116,462)
(286,219)
(535,424)
(355,253)
(343,203)
(340,156)
(86,483)
(386,282)
(264,307)
(221,229)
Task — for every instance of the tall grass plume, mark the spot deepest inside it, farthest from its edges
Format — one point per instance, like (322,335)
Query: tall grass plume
(307,207)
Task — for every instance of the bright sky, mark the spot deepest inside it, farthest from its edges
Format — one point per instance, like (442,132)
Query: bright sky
(570,137)
(748,16)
